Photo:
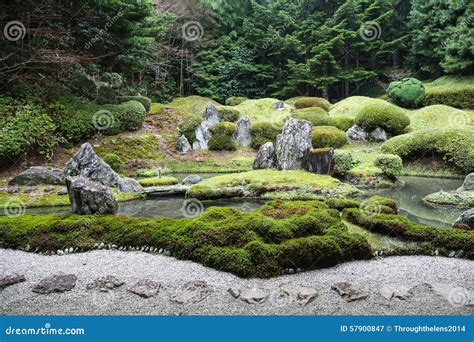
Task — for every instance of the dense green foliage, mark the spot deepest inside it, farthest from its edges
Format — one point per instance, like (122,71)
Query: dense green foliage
(343,161)
(328,136)
(115,162)
(390,164)
(408,92)
(222,137)
(145,101)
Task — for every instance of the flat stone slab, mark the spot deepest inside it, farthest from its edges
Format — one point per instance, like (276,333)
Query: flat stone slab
(297,294)
(249,295)
(11,280)
(346,291)
(191,292)
(390,291)
(145,288)
(105,284)
(57,283)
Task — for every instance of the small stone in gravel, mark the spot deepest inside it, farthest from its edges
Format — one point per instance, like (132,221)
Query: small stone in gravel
(105,284)
(390,291)
(10,280)
(301,295)
(249,295)
(347,292)
(145,288)
(191,292)
(62,191)
(56,283)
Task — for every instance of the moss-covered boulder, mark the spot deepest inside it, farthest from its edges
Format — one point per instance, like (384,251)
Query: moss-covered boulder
(408,92)
(328,136)
(387,116)
(306,102)
(235,100)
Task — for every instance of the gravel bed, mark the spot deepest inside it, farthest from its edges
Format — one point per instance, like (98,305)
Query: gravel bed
(424,275)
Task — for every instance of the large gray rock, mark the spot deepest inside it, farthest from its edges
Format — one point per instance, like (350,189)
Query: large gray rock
(378,134)
(183,145)
(293,145)
(320,161)
(130,185)
(39,175)
(243,136)
(146,288)
(87,163)
(11,280)
(211,115)
(202,137)
(265,157)
(468,184)
(357,133)
(348,292)
(57,283)
(192,179)
(88,197)
(466,220)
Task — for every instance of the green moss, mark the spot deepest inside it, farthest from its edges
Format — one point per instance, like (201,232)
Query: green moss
(350,106)
(226,128)
(235,100)
(390,164)
(382,114)
(158,181)
(328,136)
(222,142)
(408,92)
(455,145)
(317,116)
(115,162)
(145,101)
(454,91)
(188,127)
(262,110)
(193,105)
(257,183)
(440,116)
(342,162)
(306,102)
(341,122)
(263,132)
(462,199)
(228,114)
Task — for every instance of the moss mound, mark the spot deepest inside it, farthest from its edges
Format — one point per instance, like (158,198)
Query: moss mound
(263,132)
(408,92)
(454,91)
(158,181)
(328,136)
(235,100)
(382,114)
(222,137)
(460,199)
(317,116)
(350,107)
(440,116)
(306,102)
(270,183)
(262,110)
(455,145)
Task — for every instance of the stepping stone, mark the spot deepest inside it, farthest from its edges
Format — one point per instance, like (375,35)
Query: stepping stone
(300,295)
(56,283)
(191,292)
(347,292)
(145,288)
(390,291)
(10,280)
(105,284)
(249,295)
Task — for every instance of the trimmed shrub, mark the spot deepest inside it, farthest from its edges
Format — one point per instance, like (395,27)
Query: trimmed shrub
(390,164)
(263,132)
(455,145)
(328,136)
(343,162)
(222,142)
(226,128)
(106,95)
(115,162)
(382,114)
(306,102)
(408,92)
(145,101)
(228,114)
(188,127)
(128,116)
(235,100)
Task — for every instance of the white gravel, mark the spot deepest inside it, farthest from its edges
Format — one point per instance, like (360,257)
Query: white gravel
(422,273)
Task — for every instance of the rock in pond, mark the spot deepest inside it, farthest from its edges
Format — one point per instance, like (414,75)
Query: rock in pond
(10,280)
(243,136)
(183,145)
(37,175)
(466,220)
(87,163)
(468,184)
(56,283)
(192,179)
(265,157)
(145,288)
(191,292)
(320,160)
(88,197)
(357,133)
(293,145)
(378,134)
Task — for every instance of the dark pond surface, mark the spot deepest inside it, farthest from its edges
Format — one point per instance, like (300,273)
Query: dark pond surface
(409,200)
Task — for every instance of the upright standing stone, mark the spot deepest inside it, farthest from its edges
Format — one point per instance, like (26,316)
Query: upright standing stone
(265,157)
(293,145)
(183,145)
(320,160)
(243,136)
(88,197)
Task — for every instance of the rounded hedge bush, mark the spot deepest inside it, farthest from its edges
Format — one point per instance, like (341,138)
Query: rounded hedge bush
(263,132)
(390,164)
(306,102)
(188,127)
(380,113)
(222,142)
(145,101)
(343,162)
(115,162)
(328,136)
(226,128)
(131,115)
(235,100)
(408,92)
(317,116)
(456,145)
(228,114)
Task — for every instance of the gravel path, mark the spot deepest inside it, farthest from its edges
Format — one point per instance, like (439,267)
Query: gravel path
(431,280)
